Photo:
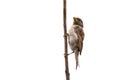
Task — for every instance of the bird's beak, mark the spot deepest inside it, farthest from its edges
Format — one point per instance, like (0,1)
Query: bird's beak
(75,19)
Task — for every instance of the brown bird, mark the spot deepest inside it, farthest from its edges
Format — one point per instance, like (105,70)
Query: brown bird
(76,37)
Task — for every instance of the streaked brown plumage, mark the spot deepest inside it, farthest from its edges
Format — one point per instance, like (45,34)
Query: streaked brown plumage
(76,37)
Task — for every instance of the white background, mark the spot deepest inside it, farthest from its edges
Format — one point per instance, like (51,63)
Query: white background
(32,44)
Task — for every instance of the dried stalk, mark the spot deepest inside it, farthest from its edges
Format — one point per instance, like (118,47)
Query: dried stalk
(65,42)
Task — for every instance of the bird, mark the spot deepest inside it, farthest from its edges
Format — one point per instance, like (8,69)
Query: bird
(76,37)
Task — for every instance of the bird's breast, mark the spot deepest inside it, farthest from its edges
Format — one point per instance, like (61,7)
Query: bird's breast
(72,39)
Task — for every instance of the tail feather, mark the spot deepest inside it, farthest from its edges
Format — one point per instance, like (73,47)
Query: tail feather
(76,57)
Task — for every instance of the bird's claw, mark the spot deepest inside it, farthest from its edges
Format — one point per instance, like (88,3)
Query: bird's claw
(66,35)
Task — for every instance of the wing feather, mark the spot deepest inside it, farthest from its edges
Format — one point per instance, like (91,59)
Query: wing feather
(80,34)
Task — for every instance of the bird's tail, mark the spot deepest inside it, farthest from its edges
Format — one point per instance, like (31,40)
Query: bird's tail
(76,57)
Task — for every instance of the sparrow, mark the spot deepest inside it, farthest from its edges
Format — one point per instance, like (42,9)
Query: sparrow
(76,37)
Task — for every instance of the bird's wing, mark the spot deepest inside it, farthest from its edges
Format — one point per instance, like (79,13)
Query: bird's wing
(80,34)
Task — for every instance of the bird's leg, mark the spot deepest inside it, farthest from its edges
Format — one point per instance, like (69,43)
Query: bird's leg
(71,53)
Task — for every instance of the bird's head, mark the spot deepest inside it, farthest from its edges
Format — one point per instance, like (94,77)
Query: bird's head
(77,21)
